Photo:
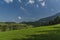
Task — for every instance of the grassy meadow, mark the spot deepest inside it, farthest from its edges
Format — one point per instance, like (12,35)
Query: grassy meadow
(33,33)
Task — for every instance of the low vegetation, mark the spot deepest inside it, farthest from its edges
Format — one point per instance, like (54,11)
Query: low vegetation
(16,26)
(37,33)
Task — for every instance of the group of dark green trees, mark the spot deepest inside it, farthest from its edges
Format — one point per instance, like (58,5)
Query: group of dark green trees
(56,20)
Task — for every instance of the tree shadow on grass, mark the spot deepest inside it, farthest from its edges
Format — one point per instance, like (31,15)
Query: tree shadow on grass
(50,36)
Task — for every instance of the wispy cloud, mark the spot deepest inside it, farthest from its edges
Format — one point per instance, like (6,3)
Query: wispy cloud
(20,1)
(40,0)
(22,8)
(8,1)
(37,5)
(25,10)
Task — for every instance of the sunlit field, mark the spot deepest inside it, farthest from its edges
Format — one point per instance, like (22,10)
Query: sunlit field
(36,33)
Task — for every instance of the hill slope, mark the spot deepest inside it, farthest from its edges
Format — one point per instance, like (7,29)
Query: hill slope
(50,17)
(38,33)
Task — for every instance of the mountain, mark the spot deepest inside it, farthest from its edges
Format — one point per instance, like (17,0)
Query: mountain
(45,21)
(50,17)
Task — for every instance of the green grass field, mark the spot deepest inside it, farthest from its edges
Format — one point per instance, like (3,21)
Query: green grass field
(37,33)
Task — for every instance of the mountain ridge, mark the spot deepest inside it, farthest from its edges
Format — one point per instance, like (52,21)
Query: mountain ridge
(50,17)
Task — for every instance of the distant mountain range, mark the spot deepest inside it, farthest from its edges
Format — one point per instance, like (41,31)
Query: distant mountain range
(50,17)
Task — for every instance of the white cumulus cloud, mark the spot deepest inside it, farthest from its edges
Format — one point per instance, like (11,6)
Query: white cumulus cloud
(31,1)
(8,1)
(19,17)
(43,3)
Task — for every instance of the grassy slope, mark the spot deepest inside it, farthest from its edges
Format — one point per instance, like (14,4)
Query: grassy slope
(38,33)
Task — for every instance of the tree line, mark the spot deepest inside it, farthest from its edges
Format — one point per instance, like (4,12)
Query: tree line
(8,27)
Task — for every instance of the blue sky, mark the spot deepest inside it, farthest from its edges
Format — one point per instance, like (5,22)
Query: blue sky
(27,10)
